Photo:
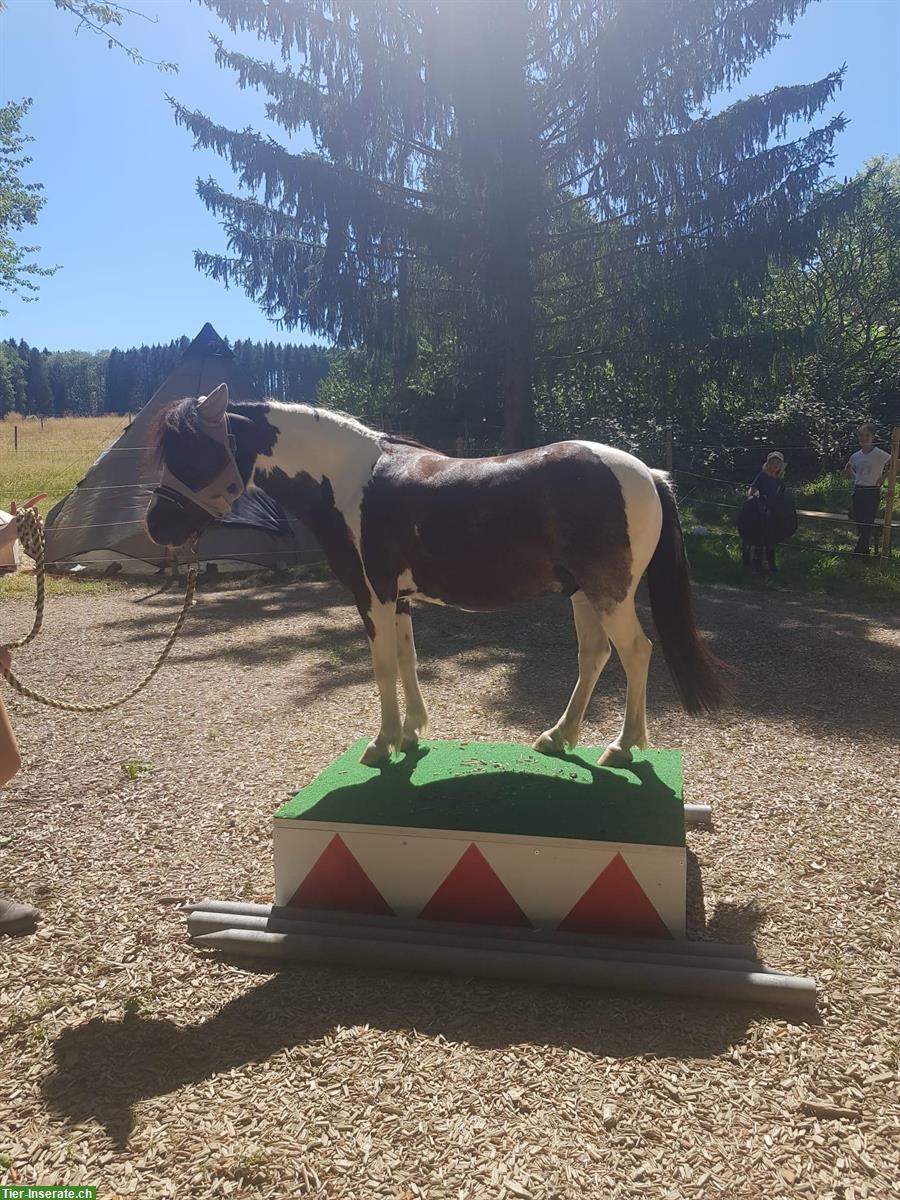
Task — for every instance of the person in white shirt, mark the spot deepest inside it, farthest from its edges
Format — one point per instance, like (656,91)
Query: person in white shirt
(868,469)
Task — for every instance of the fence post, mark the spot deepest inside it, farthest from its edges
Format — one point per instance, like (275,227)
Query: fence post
(889,498)
(16,438)
(670,454)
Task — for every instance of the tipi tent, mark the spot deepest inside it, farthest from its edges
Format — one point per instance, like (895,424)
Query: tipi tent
(102,520)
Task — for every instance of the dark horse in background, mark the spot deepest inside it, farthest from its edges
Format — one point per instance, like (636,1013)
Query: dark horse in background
(399,522)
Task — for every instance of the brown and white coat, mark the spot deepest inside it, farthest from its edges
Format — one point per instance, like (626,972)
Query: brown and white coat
(399,522)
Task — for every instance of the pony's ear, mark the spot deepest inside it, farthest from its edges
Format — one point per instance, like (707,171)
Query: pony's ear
(212,407)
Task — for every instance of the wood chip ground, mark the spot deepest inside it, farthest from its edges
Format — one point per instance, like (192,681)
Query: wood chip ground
(130,1061)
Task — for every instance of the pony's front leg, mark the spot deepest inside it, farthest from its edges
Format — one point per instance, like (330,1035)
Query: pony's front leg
(415,723)
(382,630)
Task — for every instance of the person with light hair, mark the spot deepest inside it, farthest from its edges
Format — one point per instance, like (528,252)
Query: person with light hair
(868,469)
(755,519)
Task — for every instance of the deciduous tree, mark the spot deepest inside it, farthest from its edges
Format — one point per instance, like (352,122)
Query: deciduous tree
(20,204)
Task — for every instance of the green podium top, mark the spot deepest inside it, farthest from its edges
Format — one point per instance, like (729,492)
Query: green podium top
(488,787)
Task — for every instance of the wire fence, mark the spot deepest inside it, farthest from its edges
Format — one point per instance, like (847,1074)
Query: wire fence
(464,443)
(804,544)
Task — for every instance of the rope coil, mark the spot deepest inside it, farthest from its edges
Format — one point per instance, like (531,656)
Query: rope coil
(31,535)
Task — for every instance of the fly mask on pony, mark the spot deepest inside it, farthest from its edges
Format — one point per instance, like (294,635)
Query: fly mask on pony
(208,480)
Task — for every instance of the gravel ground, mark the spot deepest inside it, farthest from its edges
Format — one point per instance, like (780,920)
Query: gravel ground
(132,1062)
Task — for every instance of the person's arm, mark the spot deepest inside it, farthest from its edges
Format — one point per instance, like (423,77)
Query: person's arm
(850,470)
(9,530)
(10,759)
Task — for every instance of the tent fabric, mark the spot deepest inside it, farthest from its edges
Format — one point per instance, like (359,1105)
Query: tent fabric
(102,519)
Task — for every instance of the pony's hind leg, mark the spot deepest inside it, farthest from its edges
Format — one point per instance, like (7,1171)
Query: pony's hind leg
(634,649)
(593,655)
(415,723)
(382,630)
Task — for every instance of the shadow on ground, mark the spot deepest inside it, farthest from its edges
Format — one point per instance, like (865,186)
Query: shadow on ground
(102,1069)
(787,652)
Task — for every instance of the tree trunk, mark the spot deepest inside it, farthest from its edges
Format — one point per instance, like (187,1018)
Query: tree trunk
(517,372)
(501,189)
(518,201)
(405,349)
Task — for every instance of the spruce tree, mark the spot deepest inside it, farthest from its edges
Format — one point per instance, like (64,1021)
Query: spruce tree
(486,170)
(59,384)
(114,383)
(7,386)
(39,397)
(15,374)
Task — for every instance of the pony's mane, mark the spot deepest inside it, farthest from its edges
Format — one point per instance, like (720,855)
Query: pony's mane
(170,423)
(400,439)
(335,415)
(181,418)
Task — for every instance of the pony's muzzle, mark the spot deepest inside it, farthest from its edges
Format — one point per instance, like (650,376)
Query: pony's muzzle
(172,519)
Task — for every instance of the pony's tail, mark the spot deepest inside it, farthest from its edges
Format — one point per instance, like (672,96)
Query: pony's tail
(696,671)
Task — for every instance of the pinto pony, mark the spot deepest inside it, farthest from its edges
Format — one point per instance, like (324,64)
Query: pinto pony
(399,522)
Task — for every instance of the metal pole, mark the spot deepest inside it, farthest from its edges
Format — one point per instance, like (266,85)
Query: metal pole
(889,498)
(16,438)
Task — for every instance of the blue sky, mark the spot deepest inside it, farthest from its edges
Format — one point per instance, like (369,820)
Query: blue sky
(121,215)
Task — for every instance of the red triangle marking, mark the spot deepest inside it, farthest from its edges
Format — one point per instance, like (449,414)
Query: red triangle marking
(473,892)
(337,882)
(617,905)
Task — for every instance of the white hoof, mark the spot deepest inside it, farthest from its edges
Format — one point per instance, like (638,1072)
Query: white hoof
(374,754)
(615,756)
(551,741)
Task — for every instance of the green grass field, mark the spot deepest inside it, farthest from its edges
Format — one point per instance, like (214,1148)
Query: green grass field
(51,457)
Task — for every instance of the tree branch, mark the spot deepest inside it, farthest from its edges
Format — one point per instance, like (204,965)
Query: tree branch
(98,17)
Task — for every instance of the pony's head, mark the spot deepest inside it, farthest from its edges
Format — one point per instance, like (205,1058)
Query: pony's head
(201,478)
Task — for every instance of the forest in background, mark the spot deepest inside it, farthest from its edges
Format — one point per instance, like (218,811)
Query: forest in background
(76,383)
(803,361)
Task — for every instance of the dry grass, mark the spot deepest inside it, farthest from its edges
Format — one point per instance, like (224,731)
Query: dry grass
(132,1062)
(52,456)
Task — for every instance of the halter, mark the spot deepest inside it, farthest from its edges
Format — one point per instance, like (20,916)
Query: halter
(217,496)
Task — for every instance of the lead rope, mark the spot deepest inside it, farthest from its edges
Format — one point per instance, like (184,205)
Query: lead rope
(31,536)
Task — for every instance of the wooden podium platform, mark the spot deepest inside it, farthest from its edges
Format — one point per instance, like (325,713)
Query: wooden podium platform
(491,834)
(491,859)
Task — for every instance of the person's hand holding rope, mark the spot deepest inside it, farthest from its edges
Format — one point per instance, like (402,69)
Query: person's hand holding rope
(18,529)
(30,530)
